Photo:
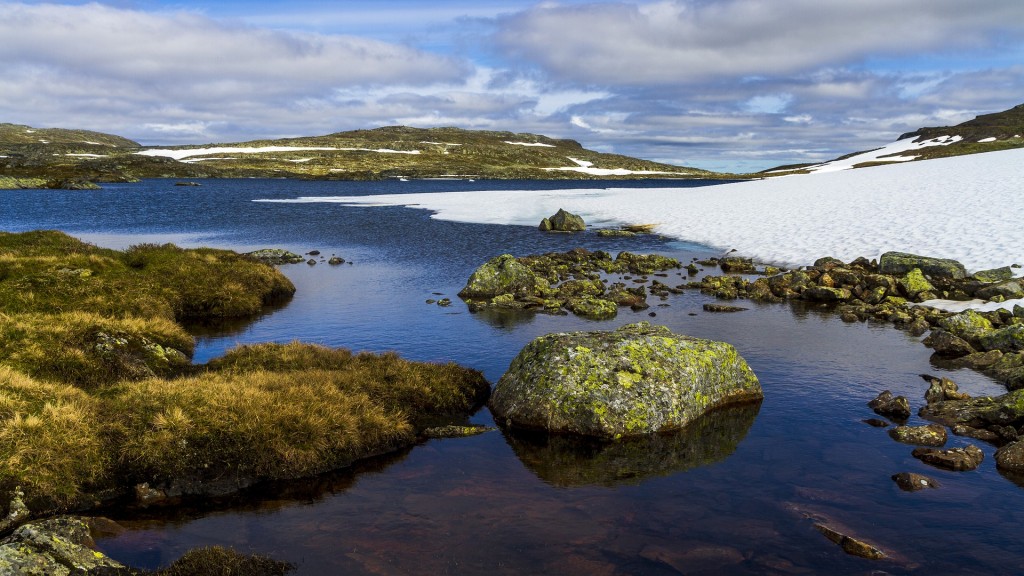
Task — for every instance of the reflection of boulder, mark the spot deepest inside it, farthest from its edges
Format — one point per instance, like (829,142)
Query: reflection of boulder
(569,460)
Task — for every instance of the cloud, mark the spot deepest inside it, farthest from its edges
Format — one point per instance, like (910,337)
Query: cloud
(688,41)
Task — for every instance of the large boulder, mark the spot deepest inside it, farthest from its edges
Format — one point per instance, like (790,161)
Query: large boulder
(636,380)
(899,263)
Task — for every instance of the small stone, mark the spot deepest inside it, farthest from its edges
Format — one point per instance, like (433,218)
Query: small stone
(313,253)
(431,301)
(911,482)
(940,389)
(895,407)
(876,422)
(145,495)
(956,459)
(976,433)
(444,302)
(311,262)
(335,260)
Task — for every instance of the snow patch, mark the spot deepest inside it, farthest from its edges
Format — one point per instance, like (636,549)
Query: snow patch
(608,171)
(87,155)
(581,163)
(439,143)
(188,153)
(883,154)
(989,139)
(964,305)
(535,144)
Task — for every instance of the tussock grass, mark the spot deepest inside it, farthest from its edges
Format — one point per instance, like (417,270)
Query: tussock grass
(89,350)
(254,425)
(49,271)
(418,388)
(220,561)
(50,444)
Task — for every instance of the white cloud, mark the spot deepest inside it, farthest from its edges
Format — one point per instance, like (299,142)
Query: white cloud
(684,41)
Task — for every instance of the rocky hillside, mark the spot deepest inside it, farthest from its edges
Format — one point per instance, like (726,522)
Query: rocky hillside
(59,158)
(985,133)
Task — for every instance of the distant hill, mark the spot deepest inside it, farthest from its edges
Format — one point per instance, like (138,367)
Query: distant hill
(17,134)
(63,156)
(985,133)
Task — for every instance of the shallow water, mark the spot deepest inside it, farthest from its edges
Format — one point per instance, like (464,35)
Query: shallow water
(738,495)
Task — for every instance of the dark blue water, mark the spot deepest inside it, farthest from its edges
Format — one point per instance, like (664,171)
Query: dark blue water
(739,496)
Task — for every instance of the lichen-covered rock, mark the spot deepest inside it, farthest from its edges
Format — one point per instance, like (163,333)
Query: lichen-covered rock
(611,233)
(54,547)
(1009,369)
(851,545)
(1009,290)
(994,275)
(636,380)
(737,265)
(899,263)
(941,389)
(563,221)
(1009,339)
(1010,458)
(956,459)
(947,344)
(826,294)
(966,324)
(502,275)
(589,307)
(645,263)
(275,256)
(927,435)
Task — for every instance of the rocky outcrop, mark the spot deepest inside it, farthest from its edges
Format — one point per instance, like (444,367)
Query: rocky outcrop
(563,221)
(564,281)
(55,547)
(636,380)
(887,291)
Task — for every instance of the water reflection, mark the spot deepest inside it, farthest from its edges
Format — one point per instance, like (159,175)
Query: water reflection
(570,461)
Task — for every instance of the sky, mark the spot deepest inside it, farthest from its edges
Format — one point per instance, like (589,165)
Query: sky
(729,85)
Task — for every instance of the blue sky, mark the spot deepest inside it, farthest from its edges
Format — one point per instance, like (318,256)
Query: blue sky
(736,85)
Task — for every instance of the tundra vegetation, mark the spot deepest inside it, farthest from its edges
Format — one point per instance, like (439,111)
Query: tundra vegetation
(98,394)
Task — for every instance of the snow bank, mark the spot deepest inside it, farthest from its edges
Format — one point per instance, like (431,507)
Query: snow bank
(965,207)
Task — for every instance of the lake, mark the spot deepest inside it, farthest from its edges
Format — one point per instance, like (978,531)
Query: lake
(740,494)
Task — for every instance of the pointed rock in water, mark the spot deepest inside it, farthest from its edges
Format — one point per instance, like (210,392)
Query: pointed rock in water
(636,380)
(895,407)
(563,221)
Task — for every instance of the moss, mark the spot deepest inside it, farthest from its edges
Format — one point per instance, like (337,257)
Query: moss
(635,380)
(913,283)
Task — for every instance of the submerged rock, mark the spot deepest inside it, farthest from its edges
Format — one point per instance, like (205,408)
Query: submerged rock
(632,381)
(851,545)
(911,482)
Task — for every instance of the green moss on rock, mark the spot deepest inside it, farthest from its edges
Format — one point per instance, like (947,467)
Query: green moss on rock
(632,381)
